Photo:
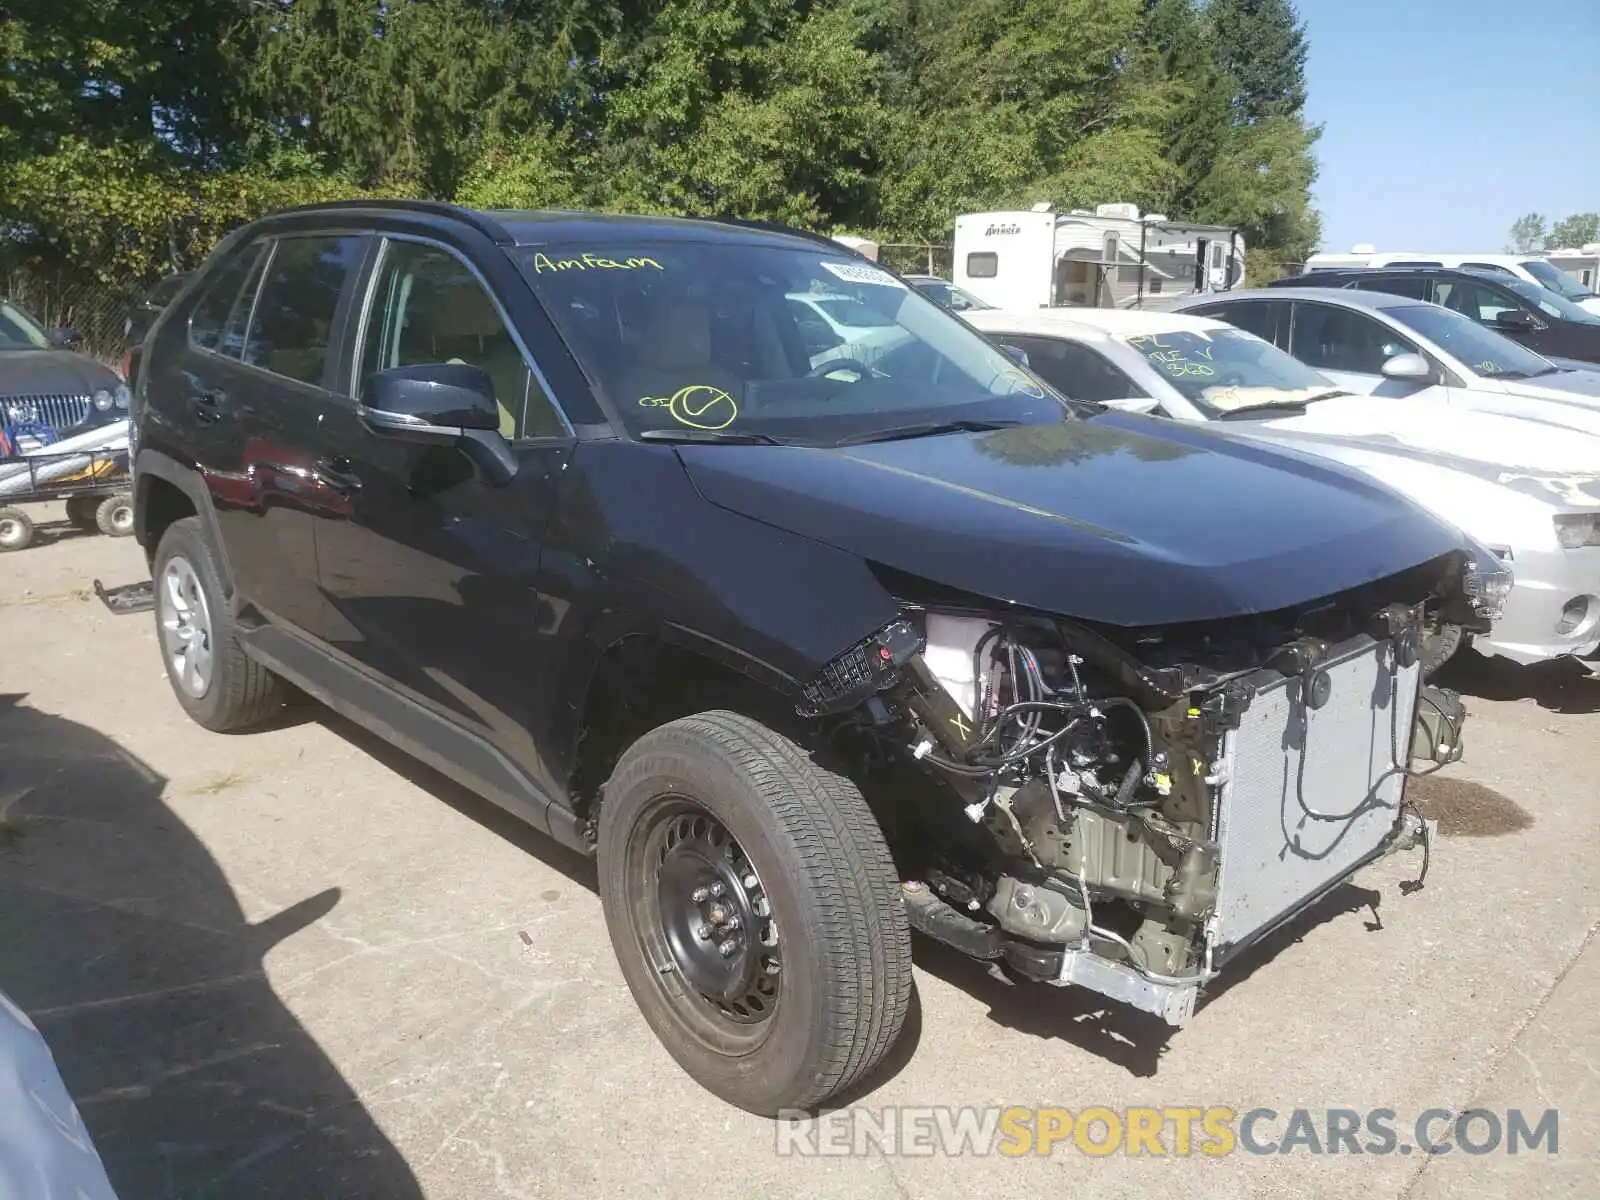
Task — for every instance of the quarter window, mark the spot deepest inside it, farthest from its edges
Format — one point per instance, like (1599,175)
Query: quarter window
(293,321)
(1259,317)
(429,307)
(1338,339)
(218,321)
(1414,287)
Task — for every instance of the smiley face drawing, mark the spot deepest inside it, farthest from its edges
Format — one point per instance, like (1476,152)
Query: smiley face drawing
(699,406)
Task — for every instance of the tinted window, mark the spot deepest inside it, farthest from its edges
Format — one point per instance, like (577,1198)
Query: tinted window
(1259,317)
(293,320)
(1075,370)
(1414,287)
(18,331)
(218,320)
(430,308)
(983,264)
(1471,298)
(1338,339)
(707,336)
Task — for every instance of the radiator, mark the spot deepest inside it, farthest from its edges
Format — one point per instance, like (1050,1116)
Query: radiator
(1281,841)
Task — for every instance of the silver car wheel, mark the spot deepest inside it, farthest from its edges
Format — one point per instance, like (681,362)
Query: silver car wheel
(185,627)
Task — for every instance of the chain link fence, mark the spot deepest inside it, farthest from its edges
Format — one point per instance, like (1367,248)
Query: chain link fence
(96,312)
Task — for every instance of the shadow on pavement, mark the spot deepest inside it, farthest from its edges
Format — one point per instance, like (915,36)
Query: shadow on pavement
(120,937)
(1562,685)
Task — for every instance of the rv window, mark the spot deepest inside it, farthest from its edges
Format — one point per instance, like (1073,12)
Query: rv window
(1471,266)
(983,264)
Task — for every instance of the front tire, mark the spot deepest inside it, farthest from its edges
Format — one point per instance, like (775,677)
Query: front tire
(755,911)
(114,515)
(217,684)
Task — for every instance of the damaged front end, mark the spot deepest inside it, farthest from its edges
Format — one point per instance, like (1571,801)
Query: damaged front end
(1128,809)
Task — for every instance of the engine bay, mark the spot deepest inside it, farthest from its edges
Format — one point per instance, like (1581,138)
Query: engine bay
(1126,810)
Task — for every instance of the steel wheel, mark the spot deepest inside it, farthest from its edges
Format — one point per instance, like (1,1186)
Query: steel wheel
(186,635)
(705,924)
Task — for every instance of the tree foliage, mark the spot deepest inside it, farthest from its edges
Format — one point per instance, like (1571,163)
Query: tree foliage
(1533,234)
(132,134)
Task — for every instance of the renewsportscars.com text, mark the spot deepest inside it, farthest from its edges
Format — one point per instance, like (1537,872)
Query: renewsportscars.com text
(1175,1131)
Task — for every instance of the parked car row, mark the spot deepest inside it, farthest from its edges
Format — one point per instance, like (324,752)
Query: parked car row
(730,558)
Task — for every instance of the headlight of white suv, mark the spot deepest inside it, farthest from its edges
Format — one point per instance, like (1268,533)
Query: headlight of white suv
(1576,530)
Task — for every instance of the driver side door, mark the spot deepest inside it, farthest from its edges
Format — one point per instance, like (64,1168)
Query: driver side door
(1350,348)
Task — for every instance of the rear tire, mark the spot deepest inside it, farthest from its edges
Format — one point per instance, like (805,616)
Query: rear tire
(720,797)
(114,515)
(16,529)
(81,512)
(218,685)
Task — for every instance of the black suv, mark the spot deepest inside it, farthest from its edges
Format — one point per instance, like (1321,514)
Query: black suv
(808,652)
(1540,319)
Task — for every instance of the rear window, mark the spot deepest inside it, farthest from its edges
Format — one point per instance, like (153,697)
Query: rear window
(293,321)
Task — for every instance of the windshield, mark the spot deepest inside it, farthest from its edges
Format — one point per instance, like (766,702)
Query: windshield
(1549,302)
(18,332)
(706,337)
(950,296)
(1480,348)
(1229,370)
(852,312)
(1554,278)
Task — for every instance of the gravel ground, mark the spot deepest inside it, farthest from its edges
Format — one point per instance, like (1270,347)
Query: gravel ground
(296,964)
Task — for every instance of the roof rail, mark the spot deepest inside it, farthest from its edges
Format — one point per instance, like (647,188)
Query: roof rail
(791,230)
(484,224)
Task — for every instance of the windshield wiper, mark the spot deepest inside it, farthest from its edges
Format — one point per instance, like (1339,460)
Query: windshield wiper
(732,437)
(930,429)
(1294,406)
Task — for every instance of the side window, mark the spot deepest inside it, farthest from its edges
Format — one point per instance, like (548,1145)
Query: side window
(1414,287)
(1075,370)
(983,264)
(1260,317)
(1479,301)
(218,319)
(1341,340)
(294,312)
(428,307)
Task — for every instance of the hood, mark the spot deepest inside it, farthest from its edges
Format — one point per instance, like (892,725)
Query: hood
(30,372)
(1119,519)
(1529,434)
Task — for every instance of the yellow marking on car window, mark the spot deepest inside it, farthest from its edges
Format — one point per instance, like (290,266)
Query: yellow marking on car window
(699,406)
(591,262)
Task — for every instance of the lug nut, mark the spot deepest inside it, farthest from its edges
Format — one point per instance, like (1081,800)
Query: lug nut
(702,930)
(750,880)
(727,948)
(699,895)
(717,889)
(727,928)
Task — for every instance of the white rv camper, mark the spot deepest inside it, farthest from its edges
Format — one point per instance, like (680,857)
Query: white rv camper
(1110,258)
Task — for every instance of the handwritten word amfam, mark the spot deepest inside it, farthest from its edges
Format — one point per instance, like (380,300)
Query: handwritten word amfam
(591,262)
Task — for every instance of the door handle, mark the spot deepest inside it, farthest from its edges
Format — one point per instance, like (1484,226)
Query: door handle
(205,405)
(334,473)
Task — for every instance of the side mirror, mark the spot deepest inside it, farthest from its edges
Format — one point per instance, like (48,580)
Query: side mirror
(1410,367)
(1015,353)
(1133,404)
(1517,320)
(65,337)
(442,404)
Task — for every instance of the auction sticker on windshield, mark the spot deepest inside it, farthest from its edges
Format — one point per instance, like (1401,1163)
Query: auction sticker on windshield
(861,273)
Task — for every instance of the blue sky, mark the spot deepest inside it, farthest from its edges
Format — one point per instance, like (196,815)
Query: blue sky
(1445,120)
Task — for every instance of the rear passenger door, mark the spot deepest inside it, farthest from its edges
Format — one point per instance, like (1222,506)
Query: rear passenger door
(271,378)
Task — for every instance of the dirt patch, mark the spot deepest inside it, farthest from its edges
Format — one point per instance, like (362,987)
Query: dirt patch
(1467,809)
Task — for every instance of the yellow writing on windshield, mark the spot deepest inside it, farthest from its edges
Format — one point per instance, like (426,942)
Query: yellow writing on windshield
(699,406)
(591,262)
